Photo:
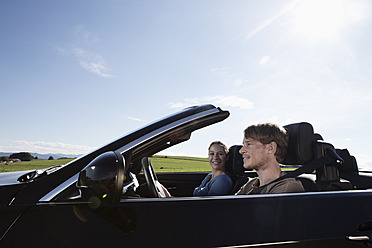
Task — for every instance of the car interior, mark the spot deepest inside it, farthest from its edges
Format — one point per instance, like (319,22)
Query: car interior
(305,146)
(320,167)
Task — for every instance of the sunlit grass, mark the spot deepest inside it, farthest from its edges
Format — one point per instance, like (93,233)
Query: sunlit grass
(33,164)
(161,164)
(179,164)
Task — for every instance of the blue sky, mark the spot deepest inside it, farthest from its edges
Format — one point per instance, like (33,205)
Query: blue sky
(75,75)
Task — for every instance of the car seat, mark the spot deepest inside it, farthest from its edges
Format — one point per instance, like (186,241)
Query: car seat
(305,147)
(235,169)
(349,171)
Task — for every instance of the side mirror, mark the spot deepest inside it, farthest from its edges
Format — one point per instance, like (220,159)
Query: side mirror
(101,181)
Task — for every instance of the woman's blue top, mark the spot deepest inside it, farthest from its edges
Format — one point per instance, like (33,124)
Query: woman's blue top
(220,185)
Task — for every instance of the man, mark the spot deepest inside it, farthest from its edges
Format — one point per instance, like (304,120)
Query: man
(264,148)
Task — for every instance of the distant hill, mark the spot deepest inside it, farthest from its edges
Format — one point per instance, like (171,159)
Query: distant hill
(44,156)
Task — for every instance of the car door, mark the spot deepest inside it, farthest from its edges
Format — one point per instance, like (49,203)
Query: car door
(297,219)
(326,219)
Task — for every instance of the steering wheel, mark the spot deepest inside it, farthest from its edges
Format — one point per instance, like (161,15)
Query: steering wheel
(150,176)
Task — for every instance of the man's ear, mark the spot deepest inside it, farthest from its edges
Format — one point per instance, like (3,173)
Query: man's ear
(271,147)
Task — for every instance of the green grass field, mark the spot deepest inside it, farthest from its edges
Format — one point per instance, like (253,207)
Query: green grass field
(160,163)
(33,164)
(179,164)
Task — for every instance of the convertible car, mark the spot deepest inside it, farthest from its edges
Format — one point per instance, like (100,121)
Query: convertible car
(109,197)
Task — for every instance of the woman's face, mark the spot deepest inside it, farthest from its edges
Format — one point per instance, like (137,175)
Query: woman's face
(217,157)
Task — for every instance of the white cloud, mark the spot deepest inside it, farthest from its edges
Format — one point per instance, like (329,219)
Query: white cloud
(44,147)
(85,36)
(269,21)
(61,50)
(264,60)
(232,101)
(239,81)
(222,101)
(220,70)
(92,62)
(178,105)
(135,119)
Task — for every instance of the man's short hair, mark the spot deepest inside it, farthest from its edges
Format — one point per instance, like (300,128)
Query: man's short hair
(267,133)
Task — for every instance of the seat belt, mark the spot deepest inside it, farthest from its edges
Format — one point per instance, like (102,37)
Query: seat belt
(330,156)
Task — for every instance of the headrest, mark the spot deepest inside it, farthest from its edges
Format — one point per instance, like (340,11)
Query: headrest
(300,146)
(349,165)
(234,164)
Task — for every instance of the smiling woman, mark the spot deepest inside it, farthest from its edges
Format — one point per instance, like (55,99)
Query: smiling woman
(325,20)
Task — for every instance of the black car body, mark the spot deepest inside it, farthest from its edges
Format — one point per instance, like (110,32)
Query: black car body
(103,200)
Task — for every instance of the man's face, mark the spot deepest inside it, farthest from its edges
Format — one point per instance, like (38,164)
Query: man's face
(254,154)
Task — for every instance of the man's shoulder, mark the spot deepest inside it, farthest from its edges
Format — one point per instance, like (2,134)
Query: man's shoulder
(286,185)
(248,186)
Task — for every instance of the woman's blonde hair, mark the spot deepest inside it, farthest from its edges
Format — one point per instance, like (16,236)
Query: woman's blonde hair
(220,144)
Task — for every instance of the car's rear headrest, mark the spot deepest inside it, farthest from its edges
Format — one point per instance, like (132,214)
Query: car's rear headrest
(349,165)
(300,146)
(234,164)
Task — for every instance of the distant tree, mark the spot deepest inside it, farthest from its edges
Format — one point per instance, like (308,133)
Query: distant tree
(36,157)
(4,159)
(50,158)
(23,156)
